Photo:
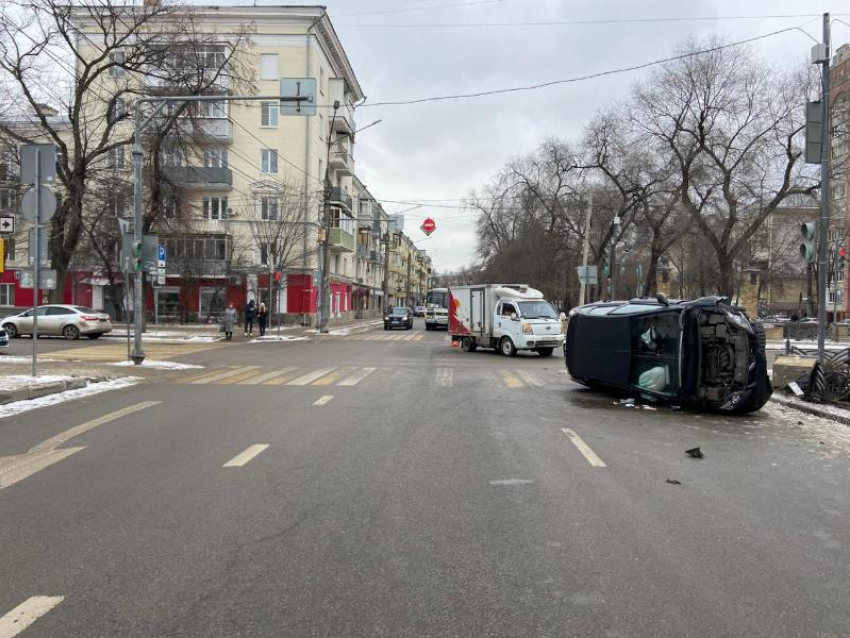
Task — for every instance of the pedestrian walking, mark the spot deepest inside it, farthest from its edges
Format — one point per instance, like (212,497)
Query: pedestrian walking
(262,317)
(250,312)
(227,321)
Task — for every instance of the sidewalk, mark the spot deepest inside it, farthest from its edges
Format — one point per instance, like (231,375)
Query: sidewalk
(827,411)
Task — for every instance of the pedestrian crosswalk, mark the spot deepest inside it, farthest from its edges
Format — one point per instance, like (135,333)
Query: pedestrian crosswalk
(349,376)
(118,351)
(371,336)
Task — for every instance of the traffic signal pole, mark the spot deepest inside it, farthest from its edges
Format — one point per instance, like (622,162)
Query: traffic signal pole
(823,249)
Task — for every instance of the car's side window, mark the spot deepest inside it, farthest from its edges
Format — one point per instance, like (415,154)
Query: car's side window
(54,311)
(508,309)
(42,312)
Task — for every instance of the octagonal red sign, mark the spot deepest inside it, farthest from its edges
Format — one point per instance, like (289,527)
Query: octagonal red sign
(428,226)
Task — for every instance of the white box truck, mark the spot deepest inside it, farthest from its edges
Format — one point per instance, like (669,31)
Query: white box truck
(506,317)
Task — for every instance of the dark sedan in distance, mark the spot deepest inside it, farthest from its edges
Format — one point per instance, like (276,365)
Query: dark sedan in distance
(399,317)
(704,353)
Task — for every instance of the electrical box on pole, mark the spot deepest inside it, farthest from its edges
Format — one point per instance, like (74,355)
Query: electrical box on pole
(814,132)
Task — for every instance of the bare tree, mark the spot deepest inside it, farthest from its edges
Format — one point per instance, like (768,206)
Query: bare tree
(88,62)
(731,124)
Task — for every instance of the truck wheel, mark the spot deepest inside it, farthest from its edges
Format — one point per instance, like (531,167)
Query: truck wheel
(507,347)
(546,352)
(468,345)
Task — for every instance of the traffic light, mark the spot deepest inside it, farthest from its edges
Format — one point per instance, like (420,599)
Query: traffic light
(808,249)
(138,262)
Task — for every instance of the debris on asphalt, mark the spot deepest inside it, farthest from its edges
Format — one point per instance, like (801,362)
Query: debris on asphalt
(627,403)
(695,453)
(673,481)
(676,408)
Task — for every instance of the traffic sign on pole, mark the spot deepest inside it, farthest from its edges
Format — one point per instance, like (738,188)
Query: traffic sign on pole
(428,226)
(46,202)
(7,225)
(42,154)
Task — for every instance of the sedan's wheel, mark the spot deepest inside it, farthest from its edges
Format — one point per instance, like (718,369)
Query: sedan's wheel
(11,330)
(94,336)
(468,345)
(546,352)
(71,332)
(507,348)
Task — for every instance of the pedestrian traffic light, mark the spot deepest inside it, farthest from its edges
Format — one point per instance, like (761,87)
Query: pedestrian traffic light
(138,262)
(808,251)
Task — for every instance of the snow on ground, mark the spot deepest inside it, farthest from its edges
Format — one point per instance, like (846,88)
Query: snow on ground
(10,359)
(268,338)
(163,365)
(17,381)
(170,336)
(828,438)
(806,345)
(19,407)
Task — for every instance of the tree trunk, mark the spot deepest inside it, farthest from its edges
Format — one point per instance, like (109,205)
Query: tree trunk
(726,275)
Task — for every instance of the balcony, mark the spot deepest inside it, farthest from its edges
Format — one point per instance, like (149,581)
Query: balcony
(341,160)
(341,241)
(342,199)
(202,177)
(212,129)
(362,251)
(158,80)
(376,257)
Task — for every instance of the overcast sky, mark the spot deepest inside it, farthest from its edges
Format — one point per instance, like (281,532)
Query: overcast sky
(439,151)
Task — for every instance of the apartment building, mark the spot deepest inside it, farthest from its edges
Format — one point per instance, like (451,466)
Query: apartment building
(241,198)
(839,289)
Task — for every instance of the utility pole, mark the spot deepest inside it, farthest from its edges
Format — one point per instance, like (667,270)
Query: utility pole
(386,283)
(585,251)
(613,262)
(823,254)
(325,300)
(409,260)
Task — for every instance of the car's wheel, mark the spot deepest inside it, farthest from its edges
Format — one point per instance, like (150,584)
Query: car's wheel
(71,332)
(11,330)
(96,335)
(468,344)
(386,327)
(507,347)
(546,352)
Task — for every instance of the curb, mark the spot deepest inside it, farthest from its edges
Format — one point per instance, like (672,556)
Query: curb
(812,409)
(38,390)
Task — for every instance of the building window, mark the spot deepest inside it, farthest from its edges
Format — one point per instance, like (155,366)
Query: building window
(213,109)
(117,59)
(268,160)
(8,165)
(118,206)
(215,207)
(268,209)
(211,57)
(117,110)
(268,114)
(8,201)
(268,66)
(171,157)
(116,157)
(268,252)
(170,206)
(215,158)
(9,249)
(7,294)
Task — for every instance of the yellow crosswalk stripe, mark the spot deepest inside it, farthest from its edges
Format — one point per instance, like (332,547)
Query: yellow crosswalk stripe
(266,376)
(290,374)
(357,377)
(200,376)
(529,378)
(334,376)
(419,337)
(510,380)
(223,375)
(248,374)
(118,352)
(311,376)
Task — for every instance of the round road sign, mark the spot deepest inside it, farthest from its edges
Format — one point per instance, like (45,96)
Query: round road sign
(428,226)
(47,203)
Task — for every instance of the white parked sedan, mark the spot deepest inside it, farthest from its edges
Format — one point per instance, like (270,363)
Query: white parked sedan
(66,321)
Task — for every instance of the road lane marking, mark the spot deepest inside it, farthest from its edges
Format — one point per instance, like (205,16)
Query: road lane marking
(529,378)
(419,337)
(223,375)
(266,376)
(357,377)
(510,380)
(584,448)
(201,376)
(288,375)
(323,400)
(511,482)
(311,376)
(17,468)
(26,614)
(334,376)
(444,378)
(244,376)
(243,457)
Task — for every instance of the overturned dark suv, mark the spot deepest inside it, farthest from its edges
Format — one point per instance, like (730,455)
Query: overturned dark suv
(704,353)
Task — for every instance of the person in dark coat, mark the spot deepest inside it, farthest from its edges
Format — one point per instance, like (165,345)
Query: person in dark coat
(262,317)
(250,312)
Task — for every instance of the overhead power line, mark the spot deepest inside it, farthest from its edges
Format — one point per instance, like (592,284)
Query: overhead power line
(420,8)
(590,22)
(581,78)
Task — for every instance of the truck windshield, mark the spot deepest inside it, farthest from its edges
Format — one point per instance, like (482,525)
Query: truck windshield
(537,310)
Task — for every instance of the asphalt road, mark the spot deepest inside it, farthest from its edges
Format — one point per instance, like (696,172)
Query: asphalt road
(411,490)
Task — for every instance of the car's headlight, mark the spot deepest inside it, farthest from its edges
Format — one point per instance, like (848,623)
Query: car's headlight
(527,329)
(386,318)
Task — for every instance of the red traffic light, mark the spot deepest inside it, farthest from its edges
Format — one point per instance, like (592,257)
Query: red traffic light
(842,252)
(277,276)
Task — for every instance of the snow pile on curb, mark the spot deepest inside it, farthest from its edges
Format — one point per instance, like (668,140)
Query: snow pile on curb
(16,381)
(19,407)
(10,359)
(281,338)
(162,365)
